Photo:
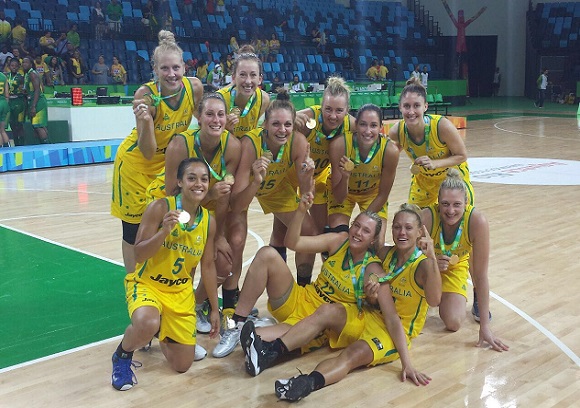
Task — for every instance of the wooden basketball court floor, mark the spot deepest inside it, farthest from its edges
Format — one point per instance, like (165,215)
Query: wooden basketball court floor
(533,277)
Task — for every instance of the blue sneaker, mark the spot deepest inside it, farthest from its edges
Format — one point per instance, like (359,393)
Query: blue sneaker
(123,377)
(475,308)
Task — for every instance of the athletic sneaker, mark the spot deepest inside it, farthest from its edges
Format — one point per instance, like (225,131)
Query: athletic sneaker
(200,353)
(228,341)
(293,389)
(123,377)
(203,324)
(475,308)
(258,354)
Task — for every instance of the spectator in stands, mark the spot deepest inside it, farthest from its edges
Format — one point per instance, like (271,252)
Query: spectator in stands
(542,84)
(62,46)
(5,55)
(41,68)
(190,68)
(201,72)
(118,72)
(276,85)
(220,7)
(188,7)
(77,69)
(16,53)
(229,65)
(296,85)
(149,21)
(98,20)
(373,71)
(496,82)
(73,36)
(19,37)
(383,71)
(274,47)
(100,72)
(215,77)
(5,29)
(210,7)
(167,21)
(416,73)
(234,45)
(67,62)
(114,13)
(424,77)
(54,75)
(321,46)
(47,43)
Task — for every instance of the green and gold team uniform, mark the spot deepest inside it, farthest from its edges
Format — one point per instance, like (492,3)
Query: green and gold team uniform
(157,187)
(411,307)
(132,171)
(164,281)
(454,279)
(364,180)
(334,284)
(276,194)
(17,100)
(319,143)
(249,120)
(424,188)
(4,104)
(40,120)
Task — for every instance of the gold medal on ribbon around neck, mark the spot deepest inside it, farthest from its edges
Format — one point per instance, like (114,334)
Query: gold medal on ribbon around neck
(373,277)
(311,123)
(349,165)
(415,169)
(229,179)
(453,259)
(236,111)
(184,217)
(148,100)
(268,155)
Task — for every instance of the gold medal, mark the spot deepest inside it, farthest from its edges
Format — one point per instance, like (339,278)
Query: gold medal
(148,100)
(310,123)
(229,179)
(184,217)
(453,259)
(236,111)
(268,155)
(373,277)
(415,169)
(349,165)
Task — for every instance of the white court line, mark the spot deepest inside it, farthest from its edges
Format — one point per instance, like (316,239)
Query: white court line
(98,343)
(565,349)
(498,127)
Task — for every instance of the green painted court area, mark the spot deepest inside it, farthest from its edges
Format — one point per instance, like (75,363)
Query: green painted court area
(54,299)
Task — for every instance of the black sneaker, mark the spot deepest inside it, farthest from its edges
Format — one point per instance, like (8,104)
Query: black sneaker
(258,354)
(475,308)
(293,389)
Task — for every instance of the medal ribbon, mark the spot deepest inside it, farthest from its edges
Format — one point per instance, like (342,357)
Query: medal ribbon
(158,98)
(248,106)
(280,152)
(197,217)
(357,283)
(455,240)
(198,151)
(320,134)
(394,273)
(372,152)
(427,120)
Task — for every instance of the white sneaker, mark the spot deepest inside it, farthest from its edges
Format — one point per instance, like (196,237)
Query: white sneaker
(200,353)
(228,342)
(262,321)
(202,324)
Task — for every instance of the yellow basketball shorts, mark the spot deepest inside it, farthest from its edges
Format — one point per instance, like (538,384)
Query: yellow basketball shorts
(129,199)
(377,337)
(177,309)
(351,200)
(454,279)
